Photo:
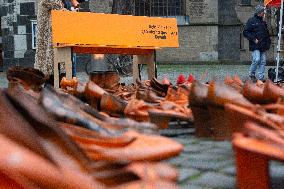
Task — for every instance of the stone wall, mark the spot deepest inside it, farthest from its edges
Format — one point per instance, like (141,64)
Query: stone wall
(197,43)
(229,43)
(16,19)
(214,33)
(228,31)
(202,11)
(101,6)
(16,27)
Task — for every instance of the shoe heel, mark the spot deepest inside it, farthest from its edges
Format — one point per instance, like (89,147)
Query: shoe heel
(252,170)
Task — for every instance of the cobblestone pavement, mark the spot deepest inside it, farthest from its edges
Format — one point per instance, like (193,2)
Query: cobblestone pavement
(204,163)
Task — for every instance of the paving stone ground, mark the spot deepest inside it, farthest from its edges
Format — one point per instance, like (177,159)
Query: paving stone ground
(204,164)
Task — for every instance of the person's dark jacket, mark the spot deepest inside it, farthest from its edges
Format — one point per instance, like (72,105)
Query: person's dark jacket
(256,28)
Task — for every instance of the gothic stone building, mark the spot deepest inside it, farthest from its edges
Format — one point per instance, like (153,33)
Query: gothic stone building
(209,30)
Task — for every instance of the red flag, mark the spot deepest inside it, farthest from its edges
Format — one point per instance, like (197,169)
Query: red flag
(272,3)
(181,79)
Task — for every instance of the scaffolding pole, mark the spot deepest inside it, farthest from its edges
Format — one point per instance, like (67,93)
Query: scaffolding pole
(279,40)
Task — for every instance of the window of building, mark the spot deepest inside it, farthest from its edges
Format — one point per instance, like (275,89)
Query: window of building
(162,8)
(159,7)
(246,2)
(34,32)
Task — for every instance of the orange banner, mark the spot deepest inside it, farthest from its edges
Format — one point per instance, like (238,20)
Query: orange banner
(266,2)
(93,29)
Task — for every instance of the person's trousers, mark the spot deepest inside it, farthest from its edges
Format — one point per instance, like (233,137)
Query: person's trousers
(258,61)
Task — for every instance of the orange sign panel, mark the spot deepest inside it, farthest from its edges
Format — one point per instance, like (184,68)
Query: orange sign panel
(94,29)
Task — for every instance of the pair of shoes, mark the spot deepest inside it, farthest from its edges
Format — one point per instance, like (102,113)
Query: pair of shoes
(253,78)
(254,93)
(40,142)
(181,79)
(234,82)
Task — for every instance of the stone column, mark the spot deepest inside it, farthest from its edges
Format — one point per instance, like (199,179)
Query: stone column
(228,31)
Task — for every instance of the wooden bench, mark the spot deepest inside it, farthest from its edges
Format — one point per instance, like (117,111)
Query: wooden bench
(95,33)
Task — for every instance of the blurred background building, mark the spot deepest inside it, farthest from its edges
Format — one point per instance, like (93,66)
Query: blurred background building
(210,31)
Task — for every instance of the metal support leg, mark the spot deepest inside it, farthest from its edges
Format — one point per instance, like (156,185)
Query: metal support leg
(279,40)
(144,59)
(62,55)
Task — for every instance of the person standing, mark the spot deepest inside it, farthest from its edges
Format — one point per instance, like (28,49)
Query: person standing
(44,57)
(257,33)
